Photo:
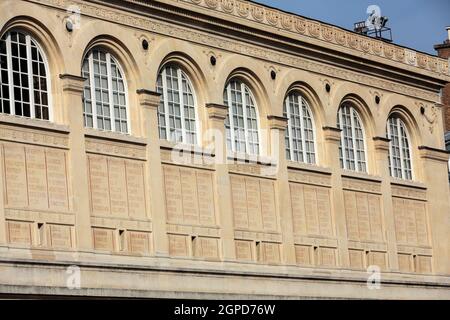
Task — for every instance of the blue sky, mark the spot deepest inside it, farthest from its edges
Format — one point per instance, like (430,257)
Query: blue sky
(418,24)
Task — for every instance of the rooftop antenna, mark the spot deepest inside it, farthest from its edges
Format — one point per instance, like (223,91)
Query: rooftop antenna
(375,25)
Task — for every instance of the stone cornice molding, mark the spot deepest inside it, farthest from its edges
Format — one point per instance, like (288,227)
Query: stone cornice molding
(431,153)
(301,26)
(72,83)
(217,111)
(148,98)
(151,25)
(277,122)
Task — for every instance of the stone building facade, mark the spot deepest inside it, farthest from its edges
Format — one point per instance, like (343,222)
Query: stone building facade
(216,149)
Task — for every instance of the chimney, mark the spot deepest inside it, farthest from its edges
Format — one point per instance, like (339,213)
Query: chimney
(443,49)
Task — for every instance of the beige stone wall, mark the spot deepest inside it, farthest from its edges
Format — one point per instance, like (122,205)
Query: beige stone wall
(78,196)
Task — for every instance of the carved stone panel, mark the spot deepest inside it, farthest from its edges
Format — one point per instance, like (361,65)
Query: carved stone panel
(60,236)
(311,210)
(178,245)
(189,196)
(207,248)
(303,255)
(19,232)
(253,203)
(244,250)
(411,225)
(103,239)
(363,216)
(139,242)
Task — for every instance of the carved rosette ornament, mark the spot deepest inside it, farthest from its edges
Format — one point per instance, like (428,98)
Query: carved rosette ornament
(365,45)
(272,17)
(257,13)
(353,41)
(287,22)
(327,33)
(212,3)
(341,37)
(433,64)
(243,8)
(400,54)
(422,60)
(227,6)
(314,29)
(389,51)
(377,48)
(300,25)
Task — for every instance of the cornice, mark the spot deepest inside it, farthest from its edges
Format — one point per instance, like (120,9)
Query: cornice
(143,22)
(299,26)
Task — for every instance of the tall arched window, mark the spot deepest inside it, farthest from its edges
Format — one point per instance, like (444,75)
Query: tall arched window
(399,149)
(242,128)
(104,95)
(352,149)
(24,89)
(300,130)
(177,115)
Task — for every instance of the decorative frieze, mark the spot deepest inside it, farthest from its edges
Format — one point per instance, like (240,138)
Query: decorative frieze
(301,24)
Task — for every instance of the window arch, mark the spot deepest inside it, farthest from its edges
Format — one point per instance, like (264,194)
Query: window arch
(176,113)
(104,96)
(24,89)
(399,149)
(352,148)
(242,130)
(300,137)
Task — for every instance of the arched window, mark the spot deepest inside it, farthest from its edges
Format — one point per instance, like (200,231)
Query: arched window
(177,115)
(104,95)
(242,129)
(399,149)
(300,130)
(24,89)
(352,150)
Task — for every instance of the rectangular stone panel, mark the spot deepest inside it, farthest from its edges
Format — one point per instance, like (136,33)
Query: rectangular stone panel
(207,248)
(253,203)
(270,252)
(244,250)
(411,226)
(268,205)
(135,188)
(103,239)
(239,197)
(356,258)
(117,187)
(312,223)
(378,259)
(303,255)
(205,194)
(376,227)
(57,179)
(189,196)
(36,177)
(19,232)
(15,175)
(60,236)
(327,257)
(139,242)
(351,215)
(363,216)
(423,264)
(178,245)
(404,262)
(99,185)
(298,209)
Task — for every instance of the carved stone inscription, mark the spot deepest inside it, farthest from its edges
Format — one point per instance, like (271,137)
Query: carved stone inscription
(311,210)
(60,236)
(303,255)
(207,248)
(189,196)
(103,239)
(244,250)
(116,186)
(178,245)
(19,232)
(253,203)
(363,216)
(138,242)
(410,221)
(270,252)
(36,177)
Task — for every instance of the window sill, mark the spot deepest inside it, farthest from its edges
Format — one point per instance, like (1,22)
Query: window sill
(188,148)
(33,123)
(114,136)
(408,183)
(249,158)
(308,167)
(360,176)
